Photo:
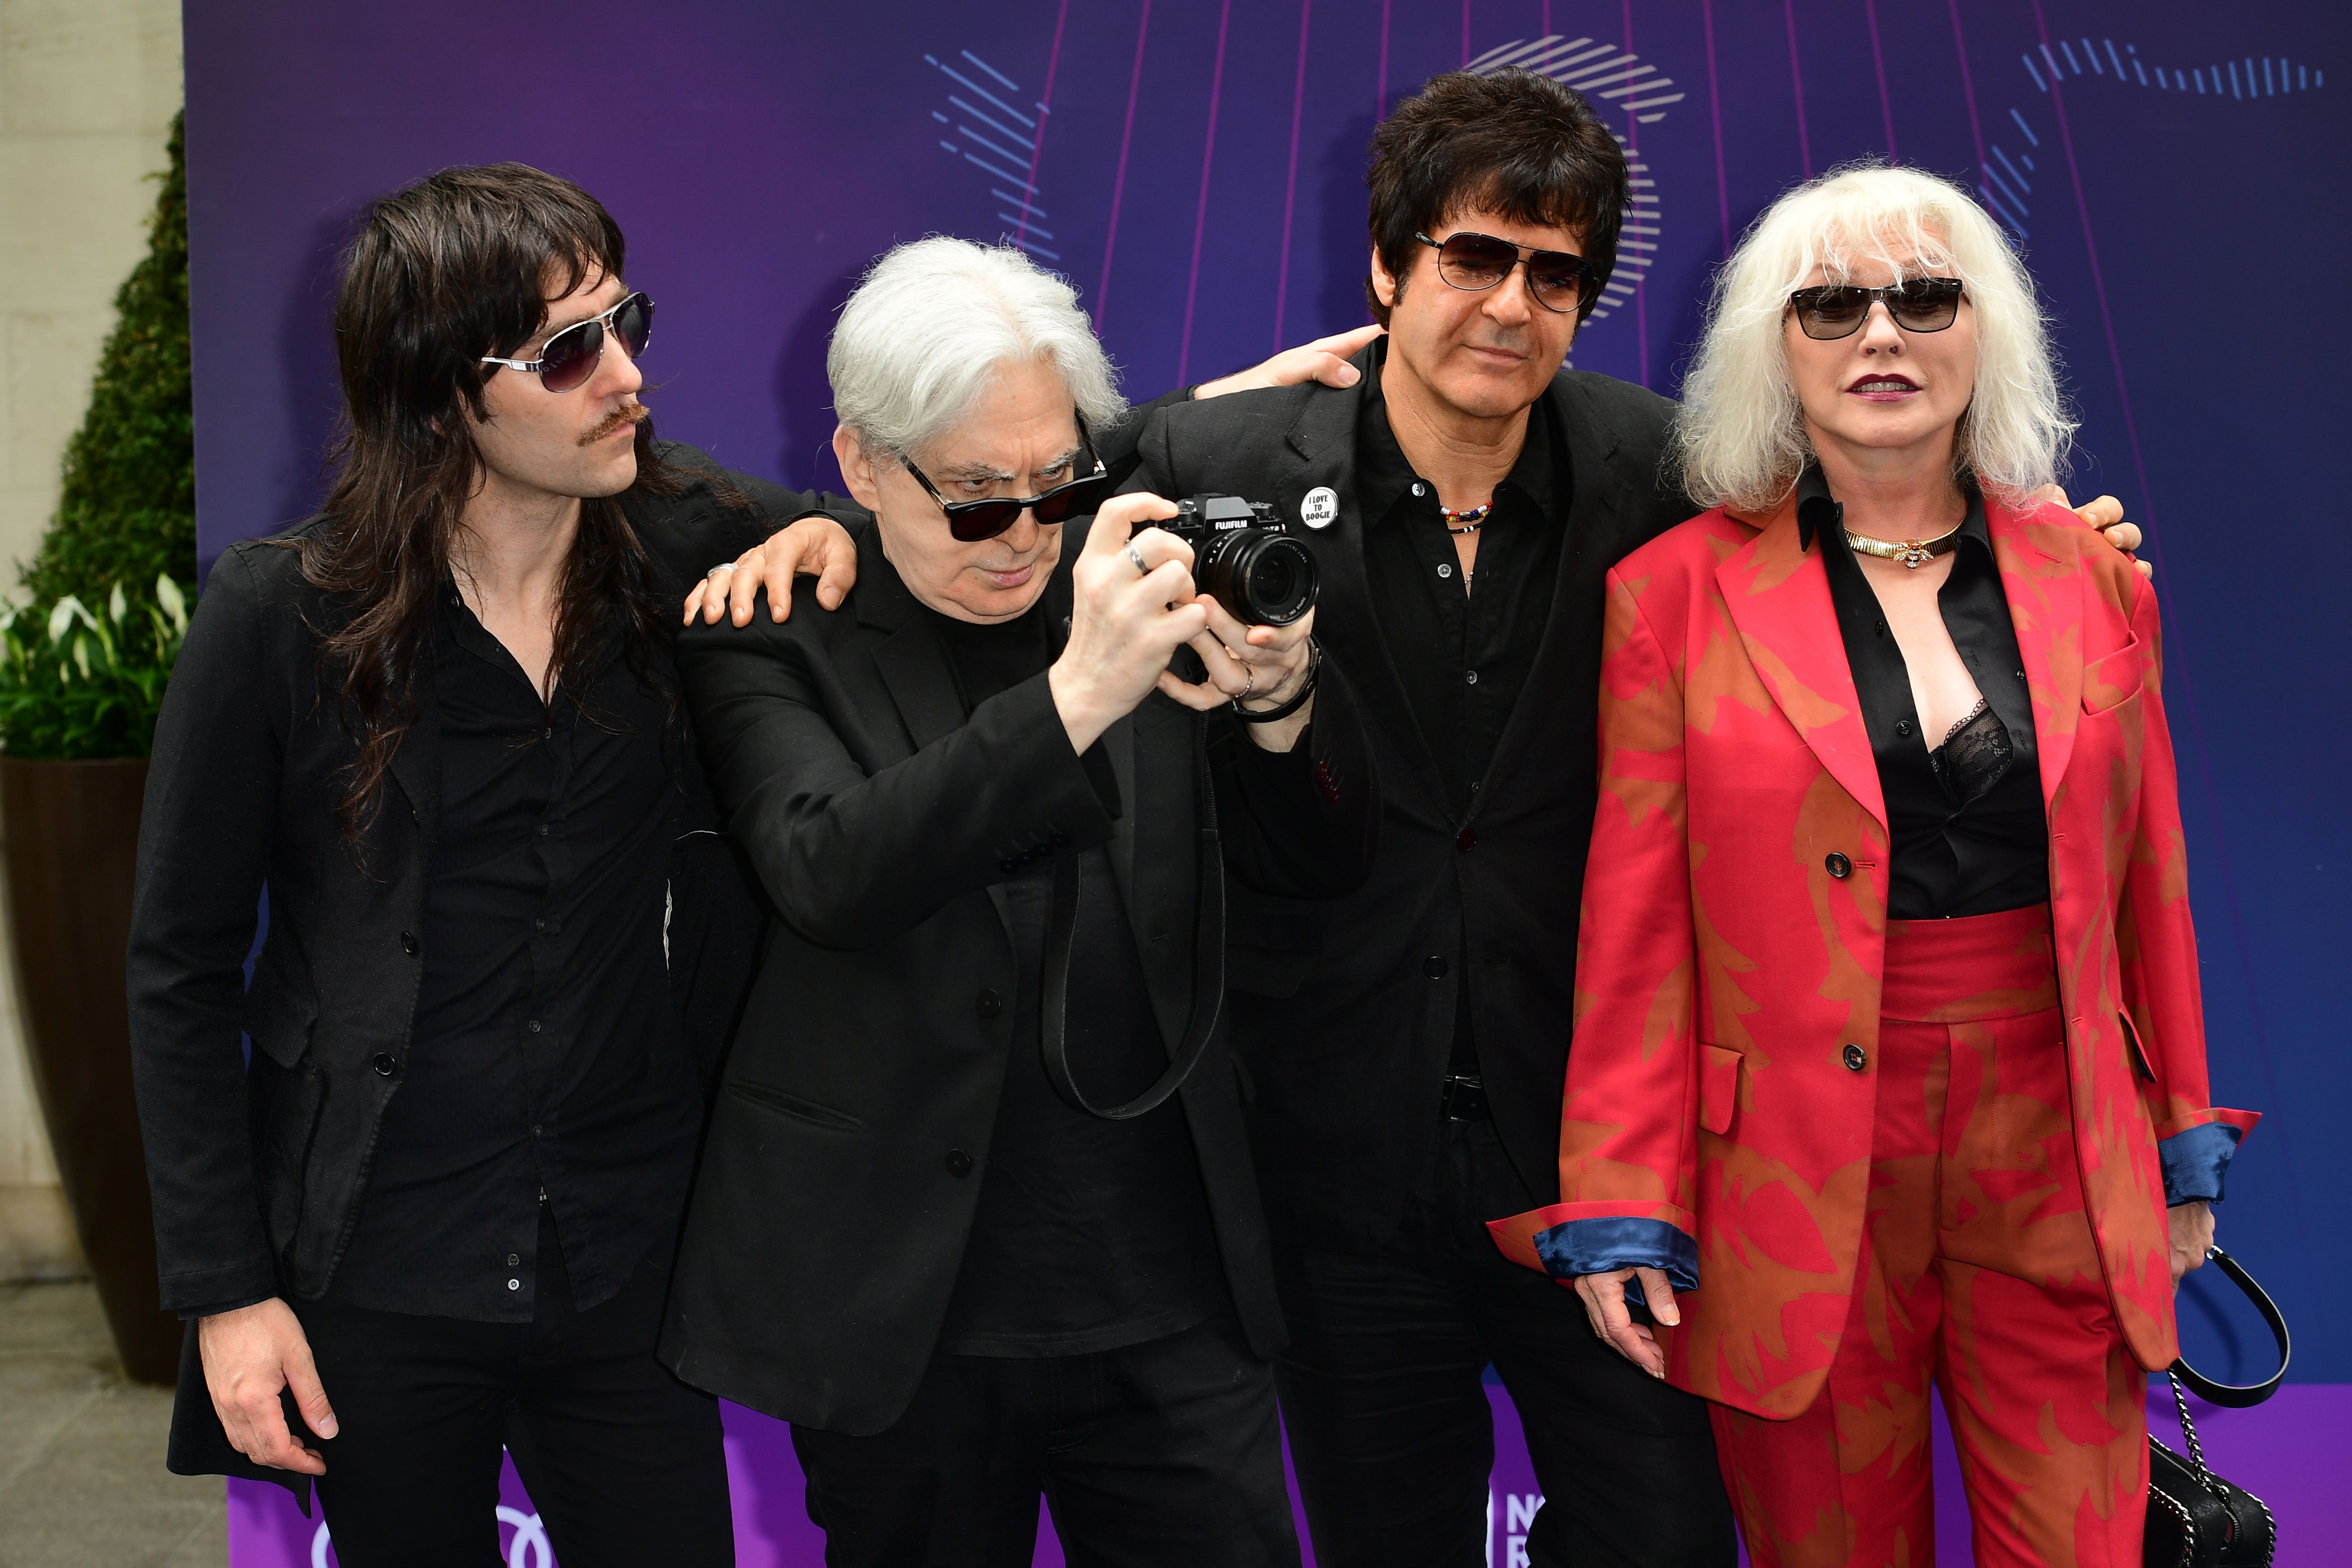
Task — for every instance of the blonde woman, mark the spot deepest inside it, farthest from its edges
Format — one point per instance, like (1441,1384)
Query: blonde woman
(1890,1063)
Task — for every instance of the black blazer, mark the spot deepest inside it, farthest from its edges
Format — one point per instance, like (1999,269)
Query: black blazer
(850,1137)
(1336,1012)
(258,1171)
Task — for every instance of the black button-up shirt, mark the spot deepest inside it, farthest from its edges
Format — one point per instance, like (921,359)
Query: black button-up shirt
(1463,655)
(1950,856)
(546,1056)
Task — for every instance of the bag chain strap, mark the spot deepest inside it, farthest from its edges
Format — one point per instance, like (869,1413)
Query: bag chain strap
(2196,1448)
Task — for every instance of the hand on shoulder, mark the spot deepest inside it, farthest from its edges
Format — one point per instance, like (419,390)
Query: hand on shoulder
(2105,515)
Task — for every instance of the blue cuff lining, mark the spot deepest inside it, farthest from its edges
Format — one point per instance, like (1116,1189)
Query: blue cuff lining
(2195,1162)
(1597,1246)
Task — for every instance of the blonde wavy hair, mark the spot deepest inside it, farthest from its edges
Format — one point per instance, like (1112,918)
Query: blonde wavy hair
(1741,439)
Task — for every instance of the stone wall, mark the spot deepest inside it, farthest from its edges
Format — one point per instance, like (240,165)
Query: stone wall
(88,88)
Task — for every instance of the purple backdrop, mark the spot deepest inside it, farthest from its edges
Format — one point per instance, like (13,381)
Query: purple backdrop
(2302,1482)
(2170,171)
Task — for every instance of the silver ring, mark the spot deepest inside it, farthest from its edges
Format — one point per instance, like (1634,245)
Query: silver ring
(722,566)
(1249,681)
(1137,556)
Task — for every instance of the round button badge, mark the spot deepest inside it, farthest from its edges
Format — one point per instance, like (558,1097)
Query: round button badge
(1319,508)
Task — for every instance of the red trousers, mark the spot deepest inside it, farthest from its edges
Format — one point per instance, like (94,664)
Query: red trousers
(1978,1272)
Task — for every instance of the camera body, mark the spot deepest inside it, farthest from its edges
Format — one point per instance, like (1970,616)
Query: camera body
(1241,559)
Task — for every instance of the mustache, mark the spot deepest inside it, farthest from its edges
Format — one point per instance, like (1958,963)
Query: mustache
(629,413)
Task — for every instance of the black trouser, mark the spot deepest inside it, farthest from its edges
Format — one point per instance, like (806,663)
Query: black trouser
(622,1461)
(1390,1431)
(1163,1453)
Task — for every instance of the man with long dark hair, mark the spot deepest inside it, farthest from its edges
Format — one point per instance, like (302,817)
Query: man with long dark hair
(440,723)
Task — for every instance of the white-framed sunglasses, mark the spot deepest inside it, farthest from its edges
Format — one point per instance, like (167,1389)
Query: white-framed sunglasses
(572,355)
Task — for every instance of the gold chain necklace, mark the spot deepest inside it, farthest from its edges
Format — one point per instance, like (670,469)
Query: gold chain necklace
(1912,553)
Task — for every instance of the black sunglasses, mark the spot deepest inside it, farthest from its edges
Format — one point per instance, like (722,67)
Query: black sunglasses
(972,521)
(572,355)
(1839,310)
(1558,279)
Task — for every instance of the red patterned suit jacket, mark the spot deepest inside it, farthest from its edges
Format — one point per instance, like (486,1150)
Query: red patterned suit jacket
(1722,970)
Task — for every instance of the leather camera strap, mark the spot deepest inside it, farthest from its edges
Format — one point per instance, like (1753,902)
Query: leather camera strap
(1208,962)
(2237,1396)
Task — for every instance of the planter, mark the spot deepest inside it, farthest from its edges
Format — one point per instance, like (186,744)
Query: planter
(72,838)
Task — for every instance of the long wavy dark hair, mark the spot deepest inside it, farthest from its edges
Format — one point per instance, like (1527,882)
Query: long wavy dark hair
(455,267)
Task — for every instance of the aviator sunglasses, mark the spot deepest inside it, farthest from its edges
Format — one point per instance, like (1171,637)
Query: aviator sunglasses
(970,522)
(1474,262)
(1839,310)
(572,355)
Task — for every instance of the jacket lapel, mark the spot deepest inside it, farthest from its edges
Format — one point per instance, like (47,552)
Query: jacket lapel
(2044,590)
(1322,441)
(914,665)
(1590,446)
(1779,596)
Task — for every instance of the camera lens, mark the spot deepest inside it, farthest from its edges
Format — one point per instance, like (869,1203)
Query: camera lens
(1262,578)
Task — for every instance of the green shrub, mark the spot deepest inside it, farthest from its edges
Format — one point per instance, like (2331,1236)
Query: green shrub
(76,684)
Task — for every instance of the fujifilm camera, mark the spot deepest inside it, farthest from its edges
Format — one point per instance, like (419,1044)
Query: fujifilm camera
(1241,559)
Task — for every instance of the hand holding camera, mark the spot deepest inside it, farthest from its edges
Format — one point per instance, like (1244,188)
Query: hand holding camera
(1133,607)
(1260,585)
(1136,601)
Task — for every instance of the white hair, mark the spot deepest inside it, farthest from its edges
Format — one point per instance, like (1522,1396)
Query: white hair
(922,337)
(1741,439)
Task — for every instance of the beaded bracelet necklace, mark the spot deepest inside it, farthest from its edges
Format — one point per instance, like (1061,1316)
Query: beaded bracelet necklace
(1470,518)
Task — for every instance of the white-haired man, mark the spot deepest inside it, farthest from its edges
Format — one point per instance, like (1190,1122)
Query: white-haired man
(976,1211)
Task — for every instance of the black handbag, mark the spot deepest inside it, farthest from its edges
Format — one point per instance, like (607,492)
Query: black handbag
(2195,1519)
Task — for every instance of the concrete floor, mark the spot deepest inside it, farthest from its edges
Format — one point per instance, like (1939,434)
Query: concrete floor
(82,1483)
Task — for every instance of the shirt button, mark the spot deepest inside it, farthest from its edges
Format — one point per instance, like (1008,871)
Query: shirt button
(513,1259)
(1855,1058)
(1471,676)
(538,924)
(959,1164)
(1445,571)
(988,1003)
(532,1026)
(1419,489)
(1466,840)
(384,1066)
(542,830)
(514,1284)
(408,942)
(1903,726)
(1838,866)
(2020,675)
(1433,967)
(534,1132)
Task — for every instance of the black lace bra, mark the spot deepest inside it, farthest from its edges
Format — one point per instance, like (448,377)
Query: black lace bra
(1977,755)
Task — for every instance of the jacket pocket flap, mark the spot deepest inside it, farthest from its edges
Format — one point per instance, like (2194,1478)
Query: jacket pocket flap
(279,1021)
(2140,1064)
(2112,679)
(1718,1088)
